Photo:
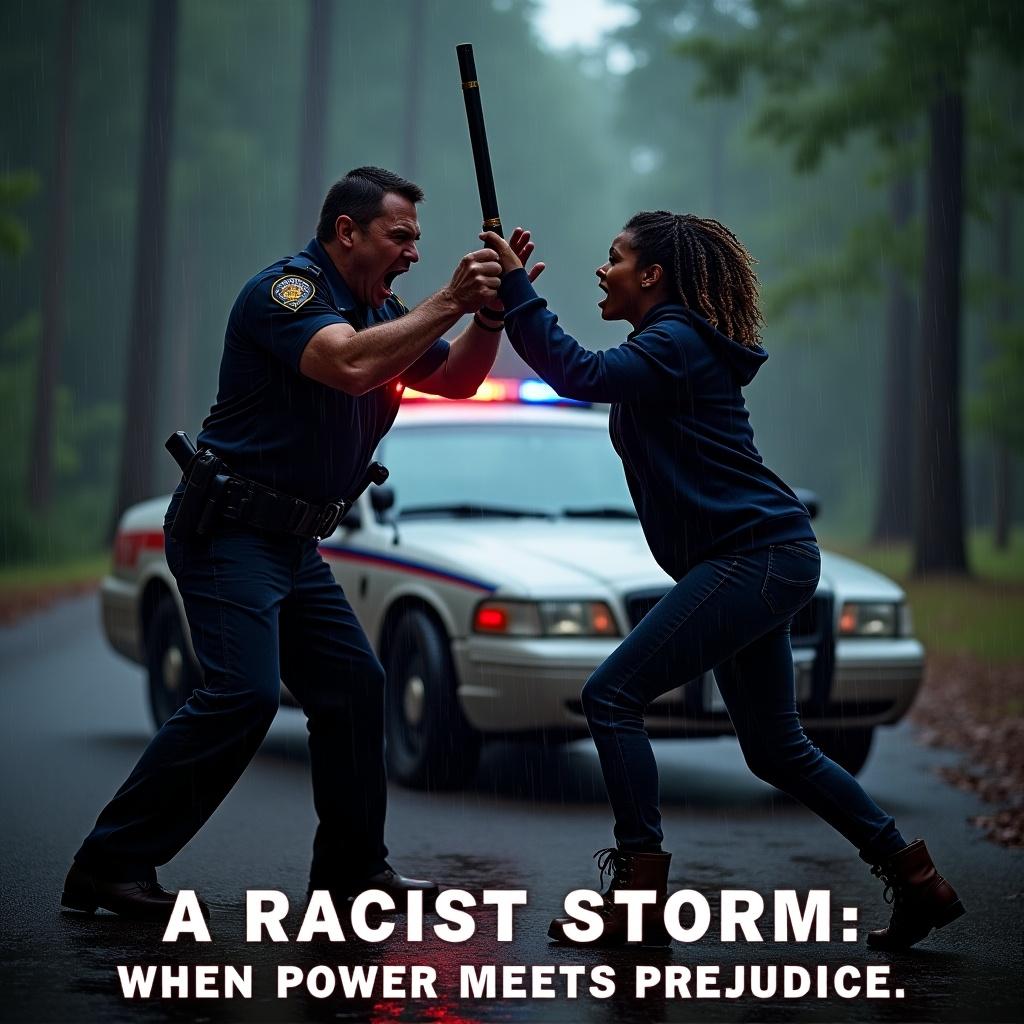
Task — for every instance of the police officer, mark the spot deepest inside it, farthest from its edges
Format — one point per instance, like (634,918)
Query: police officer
(316,353)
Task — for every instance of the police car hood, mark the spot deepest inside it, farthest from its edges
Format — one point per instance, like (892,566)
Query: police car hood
(565,556)
(539,556)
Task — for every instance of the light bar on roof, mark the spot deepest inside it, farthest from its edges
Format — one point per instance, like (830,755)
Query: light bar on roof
(501,389)
(539,392)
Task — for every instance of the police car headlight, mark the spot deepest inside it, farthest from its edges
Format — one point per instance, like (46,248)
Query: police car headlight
(545,618)
(869,619)
(577,618)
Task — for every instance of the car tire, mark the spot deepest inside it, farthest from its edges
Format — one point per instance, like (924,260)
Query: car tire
(849,748)
(430,745)
(173,674)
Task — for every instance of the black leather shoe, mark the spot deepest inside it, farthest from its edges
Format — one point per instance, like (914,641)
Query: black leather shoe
(398,886)
(141,901)
(390,881)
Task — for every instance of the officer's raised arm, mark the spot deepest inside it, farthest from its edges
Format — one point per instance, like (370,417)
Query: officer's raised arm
(357,362)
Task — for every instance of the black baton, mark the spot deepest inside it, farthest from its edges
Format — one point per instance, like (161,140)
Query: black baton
(478,137)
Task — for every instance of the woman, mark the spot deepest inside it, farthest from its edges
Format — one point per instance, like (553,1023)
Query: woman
(728,530)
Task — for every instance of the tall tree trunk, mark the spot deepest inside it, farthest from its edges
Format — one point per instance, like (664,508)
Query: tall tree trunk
(413,90)
(938,504)
(309,190)
(181,343)
(1002,485)
(40,461)
(716,163)
(136,474)
(893,507)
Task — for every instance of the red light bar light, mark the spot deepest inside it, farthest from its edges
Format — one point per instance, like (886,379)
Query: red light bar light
(493,389)
(500,389)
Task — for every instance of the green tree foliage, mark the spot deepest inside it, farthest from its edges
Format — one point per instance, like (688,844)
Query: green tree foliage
(14,190)
(832,70)
(996,409)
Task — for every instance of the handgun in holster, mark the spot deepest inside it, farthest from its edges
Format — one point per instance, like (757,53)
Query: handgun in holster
(205,476)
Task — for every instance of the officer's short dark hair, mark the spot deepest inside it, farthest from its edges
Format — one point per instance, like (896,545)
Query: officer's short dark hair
(359,195)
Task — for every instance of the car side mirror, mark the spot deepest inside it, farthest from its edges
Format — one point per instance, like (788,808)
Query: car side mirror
(810,501)
(354,520)
(383,500)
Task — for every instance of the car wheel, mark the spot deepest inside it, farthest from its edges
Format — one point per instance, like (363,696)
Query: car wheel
(172,673)
(847,747)
(429,743)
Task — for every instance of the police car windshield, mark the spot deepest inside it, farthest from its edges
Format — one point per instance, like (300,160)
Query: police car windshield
(547,470)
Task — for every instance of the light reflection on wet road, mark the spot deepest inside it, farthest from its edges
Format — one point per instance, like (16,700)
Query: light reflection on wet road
(74,721)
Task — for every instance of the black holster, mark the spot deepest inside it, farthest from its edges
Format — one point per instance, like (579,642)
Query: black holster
(205,476)
(204,485)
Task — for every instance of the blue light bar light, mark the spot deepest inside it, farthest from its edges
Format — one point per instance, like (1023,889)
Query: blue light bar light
(538,392)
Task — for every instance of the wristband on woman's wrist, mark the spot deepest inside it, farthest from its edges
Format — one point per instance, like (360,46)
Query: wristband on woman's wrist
(497,315)
(484,326)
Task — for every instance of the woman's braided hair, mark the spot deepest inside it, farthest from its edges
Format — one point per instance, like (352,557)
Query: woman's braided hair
(710,267)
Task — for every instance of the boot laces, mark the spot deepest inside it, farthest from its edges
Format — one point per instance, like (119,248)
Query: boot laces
(892,891)
(615,864)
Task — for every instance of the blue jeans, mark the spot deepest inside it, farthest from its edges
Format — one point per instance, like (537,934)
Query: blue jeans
(261,607)
(731,614)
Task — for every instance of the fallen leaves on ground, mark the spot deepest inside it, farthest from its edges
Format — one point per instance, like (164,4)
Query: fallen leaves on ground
(17,602)
(977,707)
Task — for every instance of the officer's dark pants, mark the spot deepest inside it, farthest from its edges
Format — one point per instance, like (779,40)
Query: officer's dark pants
(732,614)
(261,607)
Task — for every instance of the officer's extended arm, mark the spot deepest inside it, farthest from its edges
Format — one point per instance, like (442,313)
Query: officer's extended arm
(357,362)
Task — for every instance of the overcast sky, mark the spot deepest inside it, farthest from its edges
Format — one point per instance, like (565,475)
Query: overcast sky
(579,22)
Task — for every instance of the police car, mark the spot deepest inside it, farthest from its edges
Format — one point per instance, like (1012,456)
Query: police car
(500,565)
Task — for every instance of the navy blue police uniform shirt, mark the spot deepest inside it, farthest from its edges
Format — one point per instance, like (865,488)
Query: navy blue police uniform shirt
(273,425)
(679,423)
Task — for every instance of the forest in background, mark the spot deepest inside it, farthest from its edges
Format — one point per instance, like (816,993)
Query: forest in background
(869,155)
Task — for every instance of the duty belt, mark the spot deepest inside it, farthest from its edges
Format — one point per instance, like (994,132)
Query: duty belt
(213,491)
(249,502)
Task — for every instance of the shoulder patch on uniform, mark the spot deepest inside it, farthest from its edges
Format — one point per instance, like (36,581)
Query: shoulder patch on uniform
(292,292)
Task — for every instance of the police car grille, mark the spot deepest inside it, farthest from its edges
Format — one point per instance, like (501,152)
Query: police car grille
(640,603)
(806,630)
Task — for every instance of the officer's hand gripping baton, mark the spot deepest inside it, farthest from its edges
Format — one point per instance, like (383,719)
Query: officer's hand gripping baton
(478,138)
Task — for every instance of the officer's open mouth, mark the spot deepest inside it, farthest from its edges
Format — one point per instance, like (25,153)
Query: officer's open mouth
(386,284)
(389,278)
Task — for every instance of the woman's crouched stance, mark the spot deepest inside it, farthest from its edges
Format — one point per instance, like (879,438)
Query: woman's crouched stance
(728,530)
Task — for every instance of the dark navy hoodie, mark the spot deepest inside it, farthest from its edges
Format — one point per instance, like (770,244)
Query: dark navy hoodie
(678,422)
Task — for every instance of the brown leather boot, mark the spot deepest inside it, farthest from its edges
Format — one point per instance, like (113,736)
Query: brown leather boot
(628,871)
(921,898)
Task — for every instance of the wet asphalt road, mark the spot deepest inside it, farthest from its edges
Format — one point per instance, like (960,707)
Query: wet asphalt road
(74,720)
